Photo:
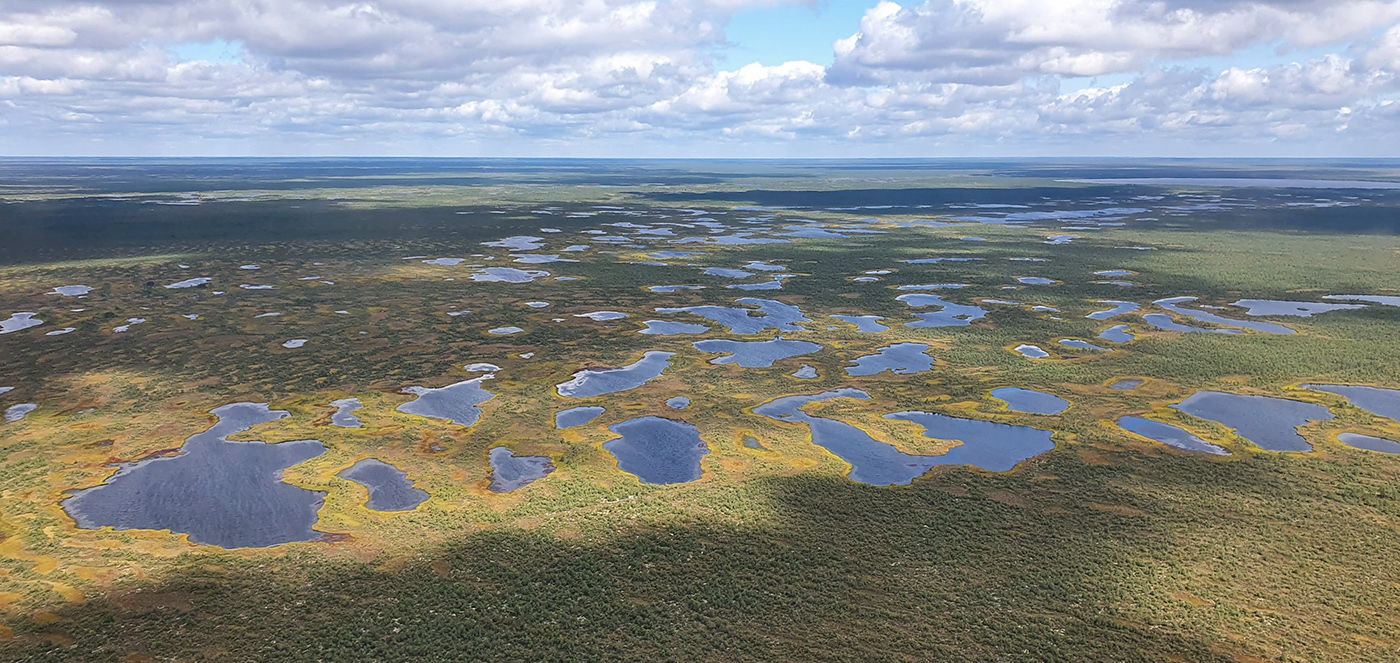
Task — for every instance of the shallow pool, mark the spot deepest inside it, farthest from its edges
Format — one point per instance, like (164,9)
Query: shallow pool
(899,359)
(221,493)
(596,382)
(576,416)
(1266,422)
(1169,435)
(658,451)
(510,472)
(1030,401)
(457,403)
(755,354)
(388,486)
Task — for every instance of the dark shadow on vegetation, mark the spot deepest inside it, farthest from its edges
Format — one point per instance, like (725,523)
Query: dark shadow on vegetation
(847,572)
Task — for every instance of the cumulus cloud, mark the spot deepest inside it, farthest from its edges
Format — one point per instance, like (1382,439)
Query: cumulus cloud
(541,74)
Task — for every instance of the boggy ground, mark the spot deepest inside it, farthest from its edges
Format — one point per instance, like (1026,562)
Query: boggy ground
(1106,548)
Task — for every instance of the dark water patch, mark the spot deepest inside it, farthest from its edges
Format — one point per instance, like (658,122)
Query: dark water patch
(948,315)
(771,315)
(342,417)
(596,382)
(1298,309)
(899,359)
(16,413)
(991,446)
(456,403)
(18,321)
(1268,423)
(1171,304)
(508,275)
(1382,402)
(1119,308)
(1126,384)
(751,442)
(755,354)
(1164,322)
(1030,401)
(388,486)
(1384,300)
(1117,333)
(221,493)
(1031,351)
(510,472)
(1169,435)
(658,451)
(1369,443)
(727,273)
(667,328)
(576,416)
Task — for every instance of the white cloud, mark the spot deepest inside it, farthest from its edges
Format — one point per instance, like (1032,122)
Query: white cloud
(528,75)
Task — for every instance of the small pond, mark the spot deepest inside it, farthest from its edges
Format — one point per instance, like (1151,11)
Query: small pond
(1031,351)
(1164,322)
(949,314)
(342,417)
(657,451)
(770,315)
(1119,308)
(1369,443)
(899,359)
(1169,435)
(510,472)
(990,446)
(221,493)
(1172,304)
(598,381)
(18,321)
(1382,402)
(1126,384)
(457,403)
(1268,423)
(667,328)
(576,416)
(755,354)
(508,275)
(18,412)
(389,487)
(1298,309)
(1117,334)
(678,402)
(1030,401)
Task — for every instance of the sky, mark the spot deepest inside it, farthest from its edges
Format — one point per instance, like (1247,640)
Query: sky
(700,78)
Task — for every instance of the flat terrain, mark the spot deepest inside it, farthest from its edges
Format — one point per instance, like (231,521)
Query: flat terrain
(399,276)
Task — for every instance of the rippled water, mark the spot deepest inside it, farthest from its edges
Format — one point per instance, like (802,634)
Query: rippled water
(222,493)
(1169,435)
(658,451)
(388,486)
(596,382)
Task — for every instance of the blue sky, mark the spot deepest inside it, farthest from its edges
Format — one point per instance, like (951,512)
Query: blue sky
(777,78)
(774,35)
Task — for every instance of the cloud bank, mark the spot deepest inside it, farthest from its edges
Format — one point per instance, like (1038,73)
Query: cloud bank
(644,77)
